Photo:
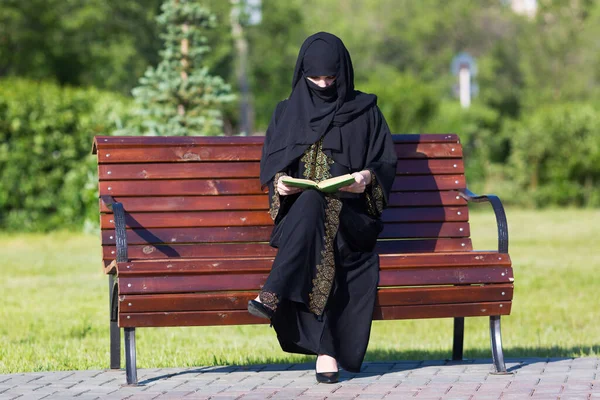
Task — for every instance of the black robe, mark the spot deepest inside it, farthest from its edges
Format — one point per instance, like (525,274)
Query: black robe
(324,278)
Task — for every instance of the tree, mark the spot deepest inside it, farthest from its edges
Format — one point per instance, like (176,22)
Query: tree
(180,97)
(103,43)
(273,49)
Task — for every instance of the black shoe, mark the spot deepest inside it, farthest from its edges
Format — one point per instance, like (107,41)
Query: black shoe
(327,377)
(259,310)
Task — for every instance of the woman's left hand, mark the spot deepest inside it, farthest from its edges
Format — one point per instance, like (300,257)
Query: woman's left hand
(361,180)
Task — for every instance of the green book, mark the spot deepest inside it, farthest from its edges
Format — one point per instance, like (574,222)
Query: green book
(327,186)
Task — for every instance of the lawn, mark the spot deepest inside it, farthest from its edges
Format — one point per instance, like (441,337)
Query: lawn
(54,310)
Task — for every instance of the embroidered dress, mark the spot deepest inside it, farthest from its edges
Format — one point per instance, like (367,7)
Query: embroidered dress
(324,278)
(323,281)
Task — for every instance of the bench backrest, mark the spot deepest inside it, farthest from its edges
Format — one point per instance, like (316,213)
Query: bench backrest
(181,191)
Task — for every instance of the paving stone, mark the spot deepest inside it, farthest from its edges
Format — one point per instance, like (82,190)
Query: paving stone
(469,379)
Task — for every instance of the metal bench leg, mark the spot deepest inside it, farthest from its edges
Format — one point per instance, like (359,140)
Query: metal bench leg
(130,367)
(496,339)
(115,333)
(459,335)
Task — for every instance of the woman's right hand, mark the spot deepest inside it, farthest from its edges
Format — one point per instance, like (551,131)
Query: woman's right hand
(285,190)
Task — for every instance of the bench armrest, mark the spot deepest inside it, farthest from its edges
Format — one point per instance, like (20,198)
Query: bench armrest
(498,211)
(120,233)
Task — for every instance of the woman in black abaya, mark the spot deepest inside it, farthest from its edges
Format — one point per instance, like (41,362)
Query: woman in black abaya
(321,291)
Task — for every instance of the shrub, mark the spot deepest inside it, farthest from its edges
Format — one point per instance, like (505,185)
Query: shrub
(47,172)
(555,155)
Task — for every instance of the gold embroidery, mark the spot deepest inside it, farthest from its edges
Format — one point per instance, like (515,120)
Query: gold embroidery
(316,163)
(374,197)
(269,299)
(275,200)
(323,280)
(316,168)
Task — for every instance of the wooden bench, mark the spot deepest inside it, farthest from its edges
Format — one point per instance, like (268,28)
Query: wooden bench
(185,230)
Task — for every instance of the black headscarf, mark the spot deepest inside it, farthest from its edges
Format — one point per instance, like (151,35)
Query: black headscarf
(311,111)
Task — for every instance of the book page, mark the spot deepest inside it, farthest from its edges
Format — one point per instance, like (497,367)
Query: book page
(333,184)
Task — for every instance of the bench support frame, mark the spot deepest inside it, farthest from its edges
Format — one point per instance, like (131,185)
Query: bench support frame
(115,332)
(459,338)
(496,342)
(130,362)
(495,333)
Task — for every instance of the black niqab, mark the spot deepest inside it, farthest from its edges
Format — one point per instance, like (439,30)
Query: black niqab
(311,111)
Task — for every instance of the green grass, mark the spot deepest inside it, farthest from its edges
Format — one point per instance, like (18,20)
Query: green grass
(54,307)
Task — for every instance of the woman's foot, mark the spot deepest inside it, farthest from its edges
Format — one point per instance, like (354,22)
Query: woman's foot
(326,369)
(257,308)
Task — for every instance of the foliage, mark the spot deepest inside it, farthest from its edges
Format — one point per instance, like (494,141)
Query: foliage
(179,97)
(407,103)
(555,157)
(102,43)
(550,250)
(47,178)
(475,126)
(274,47)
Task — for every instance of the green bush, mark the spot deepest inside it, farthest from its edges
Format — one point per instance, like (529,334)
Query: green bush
(476,126)
(406,102)
(47,173)
(555,156)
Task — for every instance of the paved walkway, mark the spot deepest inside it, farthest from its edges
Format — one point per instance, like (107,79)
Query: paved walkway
(556,378)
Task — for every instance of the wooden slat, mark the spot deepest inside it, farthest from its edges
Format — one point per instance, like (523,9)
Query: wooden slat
(189,283)
(251,250)
(192,235)
(220,301)
(426,214)
(423,246)
(442,295)
(428,182)
(261,202)
(195,266)
(185,302)
(101,142)
(191,203)
(177,283)
(430,167)
(241,317)
(178,171)
(426,138)
(202,187)
(198,251)
(180,187)
(194,154)
(443,310)
(190,219)
(202,318)
(445,276)
(425,230)
(263,265)
(419,199)
(464,259)
(428,150)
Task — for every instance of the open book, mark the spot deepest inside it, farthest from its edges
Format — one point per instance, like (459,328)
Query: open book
(328,185)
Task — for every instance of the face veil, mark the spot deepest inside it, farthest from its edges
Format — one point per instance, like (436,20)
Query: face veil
(312,112)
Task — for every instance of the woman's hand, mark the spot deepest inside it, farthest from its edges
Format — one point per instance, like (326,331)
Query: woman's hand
(285,190)
(361,180)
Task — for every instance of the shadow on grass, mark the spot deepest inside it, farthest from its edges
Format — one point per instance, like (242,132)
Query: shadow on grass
(516,358)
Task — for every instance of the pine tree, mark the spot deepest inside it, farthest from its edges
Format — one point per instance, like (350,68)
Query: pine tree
(179,97)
